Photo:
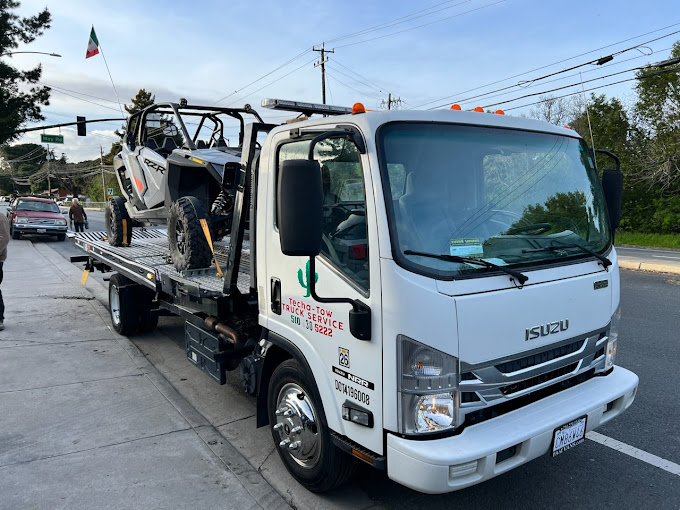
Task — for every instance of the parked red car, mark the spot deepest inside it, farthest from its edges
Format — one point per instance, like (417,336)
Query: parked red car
(36,216)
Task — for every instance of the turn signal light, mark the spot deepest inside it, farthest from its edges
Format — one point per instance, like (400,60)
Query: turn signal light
(358,108)
(455,107)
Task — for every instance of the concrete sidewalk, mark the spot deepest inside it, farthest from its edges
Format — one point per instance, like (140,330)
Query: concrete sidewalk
(86,421)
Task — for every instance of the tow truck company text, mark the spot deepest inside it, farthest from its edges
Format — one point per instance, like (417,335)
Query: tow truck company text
(312,317)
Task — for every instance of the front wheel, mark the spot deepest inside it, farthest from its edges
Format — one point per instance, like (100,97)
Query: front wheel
(61,237)
(15,234)
(118,224)
(300,430)
(189,248)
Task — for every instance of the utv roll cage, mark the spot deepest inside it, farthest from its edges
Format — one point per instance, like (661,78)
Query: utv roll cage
(136,134)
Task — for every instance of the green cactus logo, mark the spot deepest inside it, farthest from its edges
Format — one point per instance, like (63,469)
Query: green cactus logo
(305,283)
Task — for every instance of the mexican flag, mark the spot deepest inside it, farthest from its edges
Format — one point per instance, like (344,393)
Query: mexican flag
(92,45)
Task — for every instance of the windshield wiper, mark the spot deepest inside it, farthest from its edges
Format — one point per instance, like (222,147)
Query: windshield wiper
(604,260)
(521,278)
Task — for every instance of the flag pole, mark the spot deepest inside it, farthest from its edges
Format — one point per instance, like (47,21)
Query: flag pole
(110,77)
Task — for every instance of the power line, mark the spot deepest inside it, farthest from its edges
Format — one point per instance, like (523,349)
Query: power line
(264,76)
(398,21)
(544,67)
(423,25)
(352,88)
(363,79)
(76,92)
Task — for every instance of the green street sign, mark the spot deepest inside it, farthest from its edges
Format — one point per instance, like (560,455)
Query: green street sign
(52,138)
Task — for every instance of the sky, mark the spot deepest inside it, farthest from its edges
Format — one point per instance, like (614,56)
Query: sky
(428,54)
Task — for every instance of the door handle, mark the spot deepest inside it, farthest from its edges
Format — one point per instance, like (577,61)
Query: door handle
(276,295)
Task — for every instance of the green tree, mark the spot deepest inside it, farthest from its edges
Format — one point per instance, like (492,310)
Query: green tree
(142,100)
(19,106)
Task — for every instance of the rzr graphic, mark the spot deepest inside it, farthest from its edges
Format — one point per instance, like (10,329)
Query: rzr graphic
(176,166)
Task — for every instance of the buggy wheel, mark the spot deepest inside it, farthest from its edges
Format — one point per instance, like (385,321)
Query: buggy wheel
(189,248)
(300,430)
(114,215)
(122,305)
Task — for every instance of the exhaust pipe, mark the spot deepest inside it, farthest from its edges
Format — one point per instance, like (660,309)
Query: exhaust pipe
(230,333)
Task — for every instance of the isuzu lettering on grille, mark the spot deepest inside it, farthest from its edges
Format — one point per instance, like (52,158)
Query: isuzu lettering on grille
(546,329)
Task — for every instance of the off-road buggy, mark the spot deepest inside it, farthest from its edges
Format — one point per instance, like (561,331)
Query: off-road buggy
(176,167)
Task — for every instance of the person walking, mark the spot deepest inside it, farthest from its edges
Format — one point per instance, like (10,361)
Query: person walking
(76,214)
(4,241)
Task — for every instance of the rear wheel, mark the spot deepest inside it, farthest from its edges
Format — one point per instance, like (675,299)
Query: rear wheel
(189,248)
(300,430)
(147,320)
(114,216)
(123,305)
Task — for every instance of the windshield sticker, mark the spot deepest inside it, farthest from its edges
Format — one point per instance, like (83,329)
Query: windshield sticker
(466,247)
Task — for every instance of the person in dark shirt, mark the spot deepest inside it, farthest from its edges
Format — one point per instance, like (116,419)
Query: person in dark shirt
(77,215)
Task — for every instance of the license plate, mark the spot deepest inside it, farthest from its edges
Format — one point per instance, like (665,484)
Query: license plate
(42,230)
(569,435)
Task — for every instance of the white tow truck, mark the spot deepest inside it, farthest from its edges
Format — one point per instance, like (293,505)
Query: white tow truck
(434,293)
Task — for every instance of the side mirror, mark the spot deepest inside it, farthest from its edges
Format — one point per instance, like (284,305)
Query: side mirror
(612,186)
(299,207)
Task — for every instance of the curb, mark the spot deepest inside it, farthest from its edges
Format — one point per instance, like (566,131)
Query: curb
(652,267)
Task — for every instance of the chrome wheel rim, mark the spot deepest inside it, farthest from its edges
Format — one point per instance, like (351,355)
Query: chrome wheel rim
(114,303)
(296,425)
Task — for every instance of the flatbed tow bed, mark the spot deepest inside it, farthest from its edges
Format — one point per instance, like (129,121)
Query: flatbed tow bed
(146,261)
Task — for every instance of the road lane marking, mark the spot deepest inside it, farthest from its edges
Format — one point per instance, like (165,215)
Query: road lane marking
(662,257)
(649,458)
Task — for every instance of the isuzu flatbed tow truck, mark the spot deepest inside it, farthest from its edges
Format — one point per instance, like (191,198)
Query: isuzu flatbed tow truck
(433,293)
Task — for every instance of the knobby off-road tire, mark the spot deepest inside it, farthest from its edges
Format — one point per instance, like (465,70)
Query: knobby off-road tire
(123,305)
(297,417)
(114,216)
(189,248)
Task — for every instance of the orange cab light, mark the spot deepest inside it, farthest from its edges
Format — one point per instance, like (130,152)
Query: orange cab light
(358,108)
(479,109)
(455,107)
(499,112)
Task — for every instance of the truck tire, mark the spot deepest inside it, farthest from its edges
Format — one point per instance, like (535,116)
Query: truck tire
(147,321)
(189,248)
(123,305)
(113,217)
(297,418)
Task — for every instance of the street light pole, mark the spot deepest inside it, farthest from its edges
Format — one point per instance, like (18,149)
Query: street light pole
(38,52)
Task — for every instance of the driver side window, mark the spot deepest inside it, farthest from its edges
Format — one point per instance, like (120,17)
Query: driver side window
(345,237)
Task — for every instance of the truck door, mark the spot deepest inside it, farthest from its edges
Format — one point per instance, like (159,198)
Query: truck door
(346,370)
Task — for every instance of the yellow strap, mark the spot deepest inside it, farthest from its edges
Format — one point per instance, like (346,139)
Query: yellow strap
(206,232)
(125,239)
(86,273)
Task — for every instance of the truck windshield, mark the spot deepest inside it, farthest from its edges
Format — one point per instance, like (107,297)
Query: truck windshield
(494,194)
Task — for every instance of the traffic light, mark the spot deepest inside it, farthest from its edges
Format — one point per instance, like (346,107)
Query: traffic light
(82,127)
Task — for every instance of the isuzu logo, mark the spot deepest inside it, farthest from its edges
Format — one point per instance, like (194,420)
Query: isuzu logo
(546,329)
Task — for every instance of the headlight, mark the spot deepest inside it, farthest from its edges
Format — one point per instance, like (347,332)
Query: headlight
(61,222)
(428,388)
(610,352)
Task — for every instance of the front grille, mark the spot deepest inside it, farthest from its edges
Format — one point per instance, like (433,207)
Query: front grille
(541,357)
(37,221)
(539,379)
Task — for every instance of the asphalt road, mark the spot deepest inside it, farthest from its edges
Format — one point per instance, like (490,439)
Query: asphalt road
(589,476)
(649,253)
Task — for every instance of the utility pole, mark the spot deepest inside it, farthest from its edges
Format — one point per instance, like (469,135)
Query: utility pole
(321,63)
(101,166)
(390,101)
(49,171)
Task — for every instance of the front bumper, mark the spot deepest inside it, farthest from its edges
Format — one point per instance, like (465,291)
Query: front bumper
(40,230)
(425,465)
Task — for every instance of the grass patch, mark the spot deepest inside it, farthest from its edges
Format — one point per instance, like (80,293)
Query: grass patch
(650,240)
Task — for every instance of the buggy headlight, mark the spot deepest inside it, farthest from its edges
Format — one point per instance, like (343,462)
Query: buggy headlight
(428,388)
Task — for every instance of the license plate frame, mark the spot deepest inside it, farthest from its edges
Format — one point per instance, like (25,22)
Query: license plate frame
(574,428)
(41,231)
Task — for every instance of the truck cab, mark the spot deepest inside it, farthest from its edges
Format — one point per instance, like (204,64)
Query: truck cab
(481,247)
